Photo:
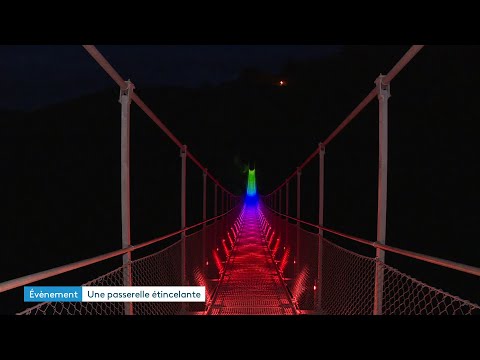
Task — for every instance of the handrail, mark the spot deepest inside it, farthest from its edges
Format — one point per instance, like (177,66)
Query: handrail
(347,236)
(409,55)
(28,279)
(352,115)
(406,58)
(100,59)
(411,254)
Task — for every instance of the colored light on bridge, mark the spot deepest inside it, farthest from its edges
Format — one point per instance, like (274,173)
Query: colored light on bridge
(251,184)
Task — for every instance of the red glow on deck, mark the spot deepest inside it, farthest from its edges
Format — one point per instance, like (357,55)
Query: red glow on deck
(271,239)
(268,231)
(231,241)
(218,261)
(265,225)
(300,285)
(284,260)
(225,248)
(275,248)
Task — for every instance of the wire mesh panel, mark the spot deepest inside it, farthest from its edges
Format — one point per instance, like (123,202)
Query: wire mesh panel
(195,270)
(348,281)
(212,261)
(405,295)
(160,269)
(113,278)
(288,265)
(304,287)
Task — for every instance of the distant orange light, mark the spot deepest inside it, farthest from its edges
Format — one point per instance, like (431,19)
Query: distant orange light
(282,82)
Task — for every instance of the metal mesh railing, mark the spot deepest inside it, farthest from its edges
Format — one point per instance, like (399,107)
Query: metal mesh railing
(304,286)
(159,269)
(348,281)
(346,285)
(113,278)
(405,295)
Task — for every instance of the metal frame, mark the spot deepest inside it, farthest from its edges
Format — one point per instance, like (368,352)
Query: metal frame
(204,217)
(125,100)
(183,213)
(321,206)
(383,96)
(299,196)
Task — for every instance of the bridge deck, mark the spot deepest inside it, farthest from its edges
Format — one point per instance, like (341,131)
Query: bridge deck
(251,284)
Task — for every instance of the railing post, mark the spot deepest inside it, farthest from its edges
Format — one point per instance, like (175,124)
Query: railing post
(287,202)
(222,229)
(280,232)
(275,216)
(321,203)
(204,218)
(125,101)
(183,219)
(286,198)
(215,224)
(215,206)
(383,95)
(223,201)
(299,174)
(280,200)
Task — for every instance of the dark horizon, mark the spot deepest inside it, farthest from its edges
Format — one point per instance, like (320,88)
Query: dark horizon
(51,74)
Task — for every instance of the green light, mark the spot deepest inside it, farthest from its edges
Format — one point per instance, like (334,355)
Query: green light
(251,184)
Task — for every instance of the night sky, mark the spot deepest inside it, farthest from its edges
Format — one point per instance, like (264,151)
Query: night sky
(60,145)
(44,74)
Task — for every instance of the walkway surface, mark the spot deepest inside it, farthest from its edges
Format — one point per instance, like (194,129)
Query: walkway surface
(251,284)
